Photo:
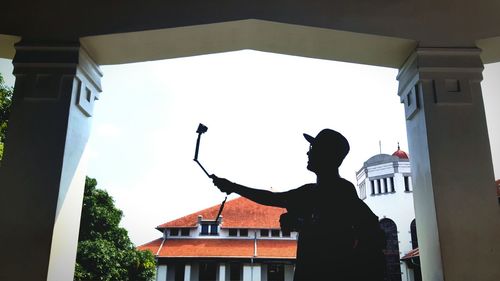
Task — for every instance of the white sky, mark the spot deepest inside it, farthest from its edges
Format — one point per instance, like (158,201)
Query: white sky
(256,106)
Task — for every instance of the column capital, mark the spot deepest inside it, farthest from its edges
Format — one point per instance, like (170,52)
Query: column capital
(428,60)
(448,71)
(42,70)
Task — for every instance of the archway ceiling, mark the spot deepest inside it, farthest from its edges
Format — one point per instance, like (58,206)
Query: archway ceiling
(378,27)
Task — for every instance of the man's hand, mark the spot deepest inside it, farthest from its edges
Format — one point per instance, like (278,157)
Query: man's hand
(223,184)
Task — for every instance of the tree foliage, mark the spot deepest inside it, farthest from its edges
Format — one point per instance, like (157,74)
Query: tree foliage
(5,103)
(105,251)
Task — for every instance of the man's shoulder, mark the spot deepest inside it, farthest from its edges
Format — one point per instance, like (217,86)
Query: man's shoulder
(302,190)
(346,183)
(307,186)
(345,188)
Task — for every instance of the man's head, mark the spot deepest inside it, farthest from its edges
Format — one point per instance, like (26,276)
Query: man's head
(328,149)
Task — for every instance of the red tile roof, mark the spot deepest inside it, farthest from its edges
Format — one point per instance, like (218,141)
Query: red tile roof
(229,248)
(237,213)
(276,248)
(411,254)
(152,246)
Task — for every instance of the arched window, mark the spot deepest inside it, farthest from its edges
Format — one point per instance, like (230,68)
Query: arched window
(413,231)
(391,251)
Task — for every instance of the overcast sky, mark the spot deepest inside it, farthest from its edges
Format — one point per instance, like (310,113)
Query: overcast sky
(256,106)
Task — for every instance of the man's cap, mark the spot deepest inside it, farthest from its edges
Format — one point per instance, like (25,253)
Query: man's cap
(330,141)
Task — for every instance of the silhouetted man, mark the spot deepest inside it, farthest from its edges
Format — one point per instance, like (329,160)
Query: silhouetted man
(339,236)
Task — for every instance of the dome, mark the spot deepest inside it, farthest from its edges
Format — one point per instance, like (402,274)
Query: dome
(400,154)
(380,159)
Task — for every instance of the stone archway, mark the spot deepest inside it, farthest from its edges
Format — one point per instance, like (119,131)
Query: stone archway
(58,82)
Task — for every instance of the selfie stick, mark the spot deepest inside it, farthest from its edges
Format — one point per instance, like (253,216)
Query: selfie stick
(203,129)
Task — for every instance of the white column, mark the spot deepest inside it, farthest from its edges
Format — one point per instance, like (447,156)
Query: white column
(161,273)
(263,272)
(222,272)
(43,170)
(289,270)
(247,272)
(457,214)
(257,272)
(187,272)
(192,272)
(251,272)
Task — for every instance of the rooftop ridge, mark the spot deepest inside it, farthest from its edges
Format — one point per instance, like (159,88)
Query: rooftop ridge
(239,212)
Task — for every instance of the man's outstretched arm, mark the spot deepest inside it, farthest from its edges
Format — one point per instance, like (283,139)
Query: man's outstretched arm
(260,196)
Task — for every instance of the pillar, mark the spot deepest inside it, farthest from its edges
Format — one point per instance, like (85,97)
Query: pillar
(43,170)
(221,275)
(192,272)
(458,218)
(161,273)
(289,271)
(187,272)
(263,272)
(251,272)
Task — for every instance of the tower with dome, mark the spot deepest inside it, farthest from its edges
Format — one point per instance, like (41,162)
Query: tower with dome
(384,183)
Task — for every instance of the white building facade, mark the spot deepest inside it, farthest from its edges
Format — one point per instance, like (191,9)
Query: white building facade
(384,183)
(245,244)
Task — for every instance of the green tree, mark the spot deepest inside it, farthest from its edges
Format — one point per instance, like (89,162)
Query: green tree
(105,251)
(5,102)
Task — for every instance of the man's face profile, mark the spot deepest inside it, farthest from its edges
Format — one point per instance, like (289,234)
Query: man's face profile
(313,159)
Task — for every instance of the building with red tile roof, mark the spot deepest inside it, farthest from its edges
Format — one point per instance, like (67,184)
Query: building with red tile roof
(245,241)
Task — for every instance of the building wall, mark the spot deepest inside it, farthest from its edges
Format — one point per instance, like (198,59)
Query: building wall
(195,233)
(397,205)
(252,271)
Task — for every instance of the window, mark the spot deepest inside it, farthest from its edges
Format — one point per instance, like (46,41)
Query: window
(235,271)
(275,233)
(413,231)
(179,270)
(174,232)
(204,229)
(233,232)
(185,232)
(213,229)
(385,185)
(391,251)
(264,233)
(208,271)
(209,229)
(275,272)
(244,232)
(286,234)
(372,185)
(392,184)
(407,183)
(379,189)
